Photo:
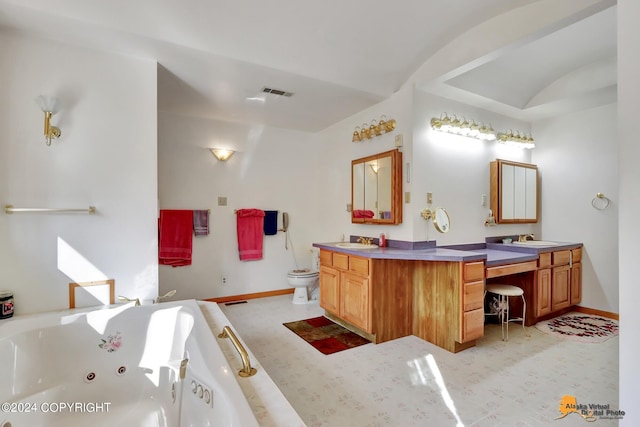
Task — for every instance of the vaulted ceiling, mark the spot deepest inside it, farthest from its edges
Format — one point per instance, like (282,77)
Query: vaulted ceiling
(528,59)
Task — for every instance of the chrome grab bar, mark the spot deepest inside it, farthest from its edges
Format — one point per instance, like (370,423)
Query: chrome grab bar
(246,370)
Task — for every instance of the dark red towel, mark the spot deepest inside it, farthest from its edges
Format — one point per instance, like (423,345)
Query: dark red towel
(175,237)
(250,224)
(363,214)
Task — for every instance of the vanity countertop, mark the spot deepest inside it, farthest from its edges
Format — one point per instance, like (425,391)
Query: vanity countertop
(429,254)
(492,253)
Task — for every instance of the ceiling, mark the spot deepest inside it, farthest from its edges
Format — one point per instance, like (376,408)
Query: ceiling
(339,58)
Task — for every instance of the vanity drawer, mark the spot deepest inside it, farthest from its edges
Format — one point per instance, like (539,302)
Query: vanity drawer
(473,295)
(341,261)
(359,265)
(473,271)
(576,255)
(544,260)
(326,258)
(508,269)
(561,257)
(472,325)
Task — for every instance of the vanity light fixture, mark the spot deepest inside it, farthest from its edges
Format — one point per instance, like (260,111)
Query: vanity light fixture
(222,154)
(49,105)
(463,127)
(373,129)
(516,139)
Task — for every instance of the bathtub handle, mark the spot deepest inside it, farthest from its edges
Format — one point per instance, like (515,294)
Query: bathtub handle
(183,368)
(246,370)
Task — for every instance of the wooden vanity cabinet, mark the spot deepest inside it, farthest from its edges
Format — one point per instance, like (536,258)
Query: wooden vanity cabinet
(558,281)
(448,307)
(372,297)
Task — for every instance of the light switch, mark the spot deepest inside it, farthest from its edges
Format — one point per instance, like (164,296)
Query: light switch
(399,140)
(407,197)
(429,198)
(222,201)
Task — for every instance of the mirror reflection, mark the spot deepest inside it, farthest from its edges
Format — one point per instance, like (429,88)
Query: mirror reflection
(376,188)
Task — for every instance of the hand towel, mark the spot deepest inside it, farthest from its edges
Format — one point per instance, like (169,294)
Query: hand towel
(175,229)
(270,223)
(201,222)
(250,224)
(363,214)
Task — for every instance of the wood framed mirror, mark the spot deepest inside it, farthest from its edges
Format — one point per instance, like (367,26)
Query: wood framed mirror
(376,188)
(514,192)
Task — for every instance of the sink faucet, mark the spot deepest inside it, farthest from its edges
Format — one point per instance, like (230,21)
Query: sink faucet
(525,237)
(364,240)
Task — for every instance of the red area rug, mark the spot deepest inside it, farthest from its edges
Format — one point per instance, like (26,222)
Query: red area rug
(580,327)
(326,336)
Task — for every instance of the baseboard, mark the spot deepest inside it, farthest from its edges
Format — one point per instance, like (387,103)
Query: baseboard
(231,298)
(587,310)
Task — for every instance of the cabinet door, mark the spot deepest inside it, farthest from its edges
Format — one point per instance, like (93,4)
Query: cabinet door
(576,283)
(560,288)
(354,300)
(329,289)
(543,292)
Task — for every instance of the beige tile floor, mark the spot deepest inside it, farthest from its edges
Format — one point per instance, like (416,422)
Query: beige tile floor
(410,382)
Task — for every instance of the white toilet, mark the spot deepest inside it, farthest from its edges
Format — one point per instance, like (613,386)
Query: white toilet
(304,280)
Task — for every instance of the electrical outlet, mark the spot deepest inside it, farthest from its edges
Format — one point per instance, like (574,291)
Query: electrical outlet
(222,201)
(224,280)
(407,197)
(483,200)
(429,198)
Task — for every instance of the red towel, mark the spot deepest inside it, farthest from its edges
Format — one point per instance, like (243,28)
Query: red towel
(176,234)
(250,224)
(363,214)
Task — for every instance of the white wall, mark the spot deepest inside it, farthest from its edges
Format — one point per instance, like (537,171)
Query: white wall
(106,157)
(456,170)
(273,169)
(336,151)
(579,152)
(629,191)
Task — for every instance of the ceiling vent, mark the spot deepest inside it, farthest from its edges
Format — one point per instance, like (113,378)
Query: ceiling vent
(277,92)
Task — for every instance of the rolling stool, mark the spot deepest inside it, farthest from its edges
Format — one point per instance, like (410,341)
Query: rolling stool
(504,292)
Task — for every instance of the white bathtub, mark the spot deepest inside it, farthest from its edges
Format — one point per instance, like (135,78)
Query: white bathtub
(117,367)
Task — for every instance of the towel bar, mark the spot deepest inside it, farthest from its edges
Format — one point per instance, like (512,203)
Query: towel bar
(9,209)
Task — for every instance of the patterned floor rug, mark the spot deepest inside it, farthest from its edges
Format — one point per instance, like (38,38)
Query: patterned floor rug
(325,336)
(580,327)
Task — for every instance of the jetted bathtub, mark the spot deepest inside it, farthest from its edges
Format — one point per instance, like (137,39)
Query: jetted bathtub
(150,366)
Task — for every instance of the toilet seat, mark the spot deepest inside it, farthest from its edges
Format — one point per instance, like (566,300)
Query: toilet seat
(302,273)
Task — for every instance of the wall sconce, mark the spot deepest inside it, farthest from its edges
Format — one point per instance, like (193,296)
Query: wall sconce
(375,128)
(464,127)
(49,104)
(222,154)
(516,139)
